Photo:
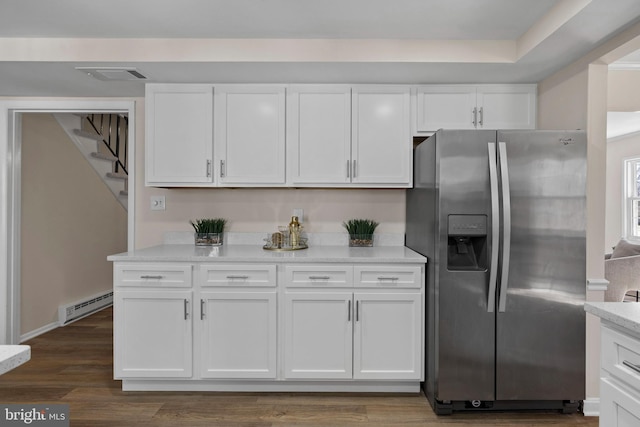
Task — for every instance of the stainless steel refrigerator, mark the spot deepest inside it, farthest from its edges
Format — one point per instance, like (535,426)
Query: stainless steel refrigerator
(501,217)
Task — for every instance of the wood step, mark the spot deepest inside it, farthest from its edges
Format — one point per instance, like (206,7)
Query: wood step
(89,135)
(104,156)
(120,176)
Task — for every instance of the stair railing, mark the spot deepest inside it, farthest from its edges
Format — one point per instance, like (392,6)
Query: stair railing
(114,139)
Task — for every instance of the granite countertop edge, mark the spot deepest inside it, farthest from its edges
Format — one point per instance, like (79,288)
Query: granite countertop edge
(12,356)
(253,253)
(625,315)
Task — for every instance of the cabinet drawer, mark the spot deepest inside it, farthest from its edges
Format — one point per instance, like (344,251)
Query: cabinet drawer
(238,275)
(391,276)
(156,275)
(621,356)
(619,406)
(327,276)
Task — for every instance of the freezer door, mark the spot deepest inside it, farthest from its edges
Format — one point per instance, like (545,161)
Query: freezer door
(465,322)
(541,333)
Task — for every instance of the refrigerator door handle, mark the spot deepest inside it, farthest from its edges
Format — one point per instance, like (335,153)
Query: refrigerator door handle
(495,227)
(506,224)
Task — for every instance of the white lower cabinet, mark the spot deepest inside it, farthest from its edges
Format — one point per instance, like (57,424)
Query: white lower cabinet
(357,322)
(279,327)
(387,336)
(153,336)
(620,379)
(237,334)
(318,335)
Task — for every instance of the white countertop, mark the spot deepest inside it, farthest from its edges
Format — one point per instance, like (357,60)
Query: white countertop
(255,253)
(623,314)
(12,356)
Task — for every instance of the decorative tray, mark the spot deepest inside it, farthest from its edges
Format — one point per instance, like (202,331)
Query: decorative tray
(284,248)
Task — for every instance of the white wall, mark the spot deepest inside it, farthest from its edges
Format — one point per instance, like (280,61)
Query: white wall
(70,222)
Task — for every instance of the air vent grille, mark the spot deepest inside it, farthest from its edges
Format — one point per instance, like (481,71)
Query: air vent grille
(113,73)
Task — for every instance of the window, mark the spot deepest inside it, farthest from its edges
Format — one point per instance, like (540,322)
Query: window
(632,198)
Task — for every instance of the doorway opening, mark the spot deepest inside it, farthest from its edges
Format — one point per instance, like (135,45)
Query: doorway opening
(12,115)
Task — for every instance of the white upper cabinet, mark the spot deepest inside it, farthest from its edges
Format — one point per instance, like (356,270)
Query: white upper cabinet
(339,136)
(507,106)
(382,147)
(474,107)
(250,135)
(445,107)
(319,134)
(179,134)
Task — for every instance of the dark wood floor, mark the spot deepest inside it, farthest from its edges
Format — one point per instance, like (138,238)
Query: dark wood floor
(73,365)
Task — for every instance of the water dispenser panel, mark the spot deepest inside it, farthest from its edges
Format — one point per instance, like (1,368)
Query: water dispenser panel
(467,242)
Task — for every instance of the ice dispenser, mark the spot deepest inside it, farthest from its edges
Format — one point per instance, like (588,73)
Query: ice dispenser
(467,242)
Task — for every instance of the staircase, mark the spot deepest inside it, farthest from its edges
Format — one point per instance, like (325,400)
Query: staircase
(103,141)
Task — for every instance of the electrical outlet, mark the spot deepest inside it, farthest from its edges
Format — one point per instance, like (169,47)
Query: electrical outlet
(158,203)
(299,212)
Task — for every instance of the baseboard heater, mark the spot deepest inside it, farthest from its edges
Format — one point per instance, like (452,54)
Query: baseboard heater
(75,311)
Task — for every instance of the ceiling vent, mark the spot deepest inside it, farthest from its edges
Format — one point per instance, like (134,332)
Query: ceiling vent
(113,73)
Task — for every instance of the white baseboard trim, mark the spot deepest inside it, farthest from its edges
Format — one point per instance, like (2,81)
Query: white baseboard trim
(39,331)
(591,407)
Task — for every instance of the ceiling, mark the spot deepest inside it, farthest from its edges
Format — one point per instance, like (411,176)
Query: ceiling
(296,41)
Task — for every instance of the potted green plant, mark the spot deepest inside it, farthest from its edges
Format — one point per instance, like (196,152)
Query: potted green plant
(360,231)
(209,231)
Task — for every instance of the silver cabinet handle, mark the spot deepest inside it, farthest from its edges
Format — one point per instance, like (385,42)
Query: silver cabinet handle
(390,279)
(238,277)
(186,309)
(353,170)
(481,121)
(349,312)
(223,171)
(633,366)
(151,277)
(201,309)
(357,310)
(348,169)
(208,168)
(319,277)
(474,120)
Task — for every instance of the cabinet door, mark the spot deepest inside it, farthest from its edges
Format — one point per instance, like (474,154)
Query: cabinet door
(619,407)
(250,135)
(382,147)
(319,134)
(506,106)
(152,334)
(318,335)
(445,107)
(387,336)
(179,134)
(238,334)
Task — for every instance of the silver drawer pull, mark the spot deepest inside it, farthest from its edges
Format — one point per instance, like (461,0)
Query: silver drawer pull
(632,366)
(238,277)
(319,277)
(151,277)
(390,279)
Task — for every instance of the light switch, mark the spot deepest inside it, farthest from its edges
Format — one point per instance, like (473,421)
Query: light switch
(158,203)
